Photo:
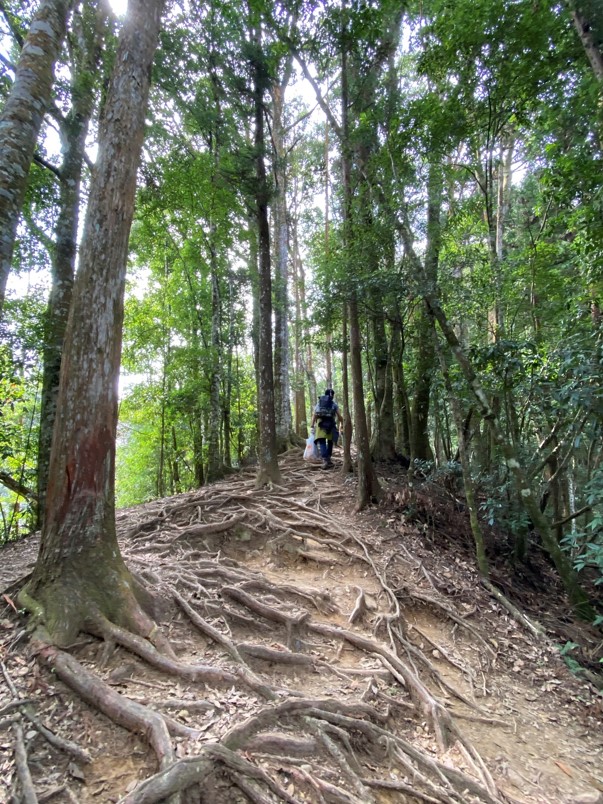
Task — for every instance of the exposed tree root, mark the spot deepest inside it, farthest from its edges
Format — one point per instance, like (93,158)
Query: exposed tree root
(195,770)
(125,712)
(534,628)
(67,746)
(27,786)
(276,642)
(146,651)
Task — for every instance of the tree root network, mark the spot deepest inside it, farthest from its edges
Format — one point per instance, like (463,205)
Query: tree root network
(294,699)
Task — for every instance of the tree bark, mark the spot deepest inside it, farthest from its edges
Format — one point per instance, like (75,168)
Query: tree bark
(80,574)
(469,486)
(368,487)
(383,441)
(214,458)
(347,465)
(592,48)
(281,294)
(301,414)
(73,129)
(309,363)
(268,471)
(401,403)
(227,416)
(420,448)
(21,119)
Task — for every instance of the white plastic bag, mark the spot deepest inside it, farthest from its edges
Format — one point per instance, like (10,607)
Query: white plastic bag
(309,450)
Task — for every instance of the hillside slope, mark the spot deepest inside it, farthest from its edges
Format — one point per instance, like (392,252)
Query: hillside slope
(319,655)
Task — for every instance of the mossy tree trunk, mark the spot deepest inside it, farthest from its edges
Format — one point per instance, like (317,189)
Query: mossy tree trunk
(80,575)
(401,402)
(21,119)
(383,440)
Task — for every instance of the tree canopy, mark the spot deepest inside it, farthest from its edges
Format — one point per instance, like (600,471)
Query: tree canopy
(401,201)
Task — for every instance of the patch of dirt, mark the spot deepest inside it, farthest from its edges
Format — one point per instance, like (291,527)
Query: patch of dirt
(320,656)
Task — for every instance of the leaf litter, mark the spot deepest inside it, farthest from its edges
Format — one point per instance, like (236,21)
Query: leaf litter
(320,655)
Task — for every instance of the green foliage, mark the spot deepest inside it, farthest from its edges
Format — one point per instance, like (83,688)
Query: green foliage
(572,664)
(585,544)
(19,411)
(472,79)
(135,481)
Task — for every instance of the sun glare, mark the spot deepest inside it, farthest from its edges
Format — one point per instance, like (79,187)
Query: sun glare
(119,6)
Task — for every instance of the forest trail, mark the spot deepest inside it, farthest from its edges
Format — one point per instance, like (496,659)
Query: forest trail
(339,657)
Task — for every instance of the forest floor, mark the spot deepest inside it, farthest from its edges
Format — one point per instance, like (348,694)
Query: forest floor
(321,655)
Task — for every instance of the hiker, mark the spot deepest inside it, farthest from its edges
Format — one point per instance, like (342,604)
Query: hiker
(327,414)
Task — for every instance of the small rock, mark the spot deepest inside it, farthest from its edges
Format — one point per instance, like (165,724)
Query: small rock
(76,772)
(587,798)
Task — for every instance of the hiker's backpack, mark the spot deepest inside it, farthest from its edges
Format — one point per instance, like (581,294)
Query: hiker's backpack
(325,408)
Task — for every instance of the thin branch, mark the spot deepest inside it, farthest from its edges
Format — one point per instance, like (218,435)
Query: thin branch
(15,486)
(27,785)
(11,24)
(48,165)
(43,236)
(319,98)
(569,517)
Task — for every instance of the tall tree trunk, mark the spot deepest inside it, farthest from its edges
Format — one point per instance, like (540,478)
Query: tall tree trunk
(254,275)
(268,471)
(310,376)
(215,463)
(228,379)
(301,412)
(497,221)
(73,129)
(160,485)
(175,464)
(468,484)
(214,458)
(420,448)
(21,120)
(197,439)
(197,413)
(281,294)
(383,441)
(330,381)
(80,576)
(368,487)
(347,466)
(401,403)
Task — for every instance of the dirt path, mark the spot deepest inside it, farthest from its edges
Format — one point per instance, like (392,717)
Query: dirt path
(321,656)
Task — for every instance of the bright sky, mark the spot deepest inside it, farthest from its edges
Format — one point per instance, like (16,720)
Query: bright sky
(119,6)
